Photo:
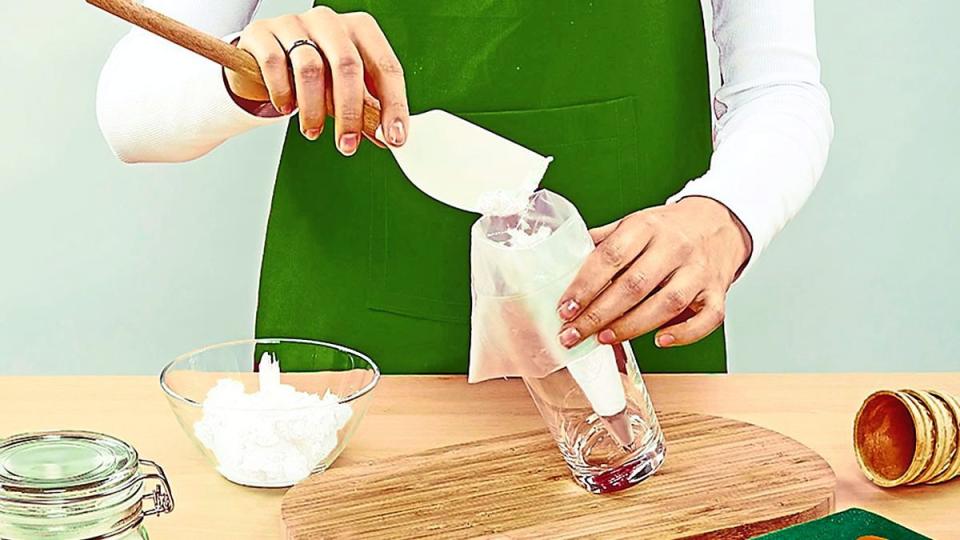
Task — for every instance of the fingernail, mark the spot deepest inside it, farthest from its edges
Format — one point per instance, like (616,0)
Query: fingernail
(348,143)
(312,134)
(607,337)
(569,337)
(665,340)
(568,309)
(397,134)
(286,109)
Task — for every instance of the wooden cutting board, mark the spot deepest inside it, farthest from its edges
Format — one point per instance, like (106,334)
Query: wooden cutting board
(722,479)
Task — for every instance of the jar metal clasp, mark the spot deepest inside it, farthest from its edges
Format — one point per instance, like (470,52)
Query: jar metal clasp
(161,498)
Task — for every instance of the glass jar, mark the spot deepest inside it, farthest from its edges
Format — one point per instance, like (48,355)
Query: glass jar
(77,485)
(610,439)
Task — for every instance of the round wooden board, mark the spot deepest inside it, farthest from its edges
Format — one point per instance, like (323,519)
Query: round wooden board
(722,479)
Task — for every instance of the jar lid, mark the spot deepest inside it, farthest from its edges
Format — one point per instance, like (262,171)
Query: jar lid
(56,466)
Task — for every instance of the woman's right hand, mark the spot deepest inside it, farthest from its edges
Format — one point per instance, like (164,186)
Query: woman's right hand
(355,53)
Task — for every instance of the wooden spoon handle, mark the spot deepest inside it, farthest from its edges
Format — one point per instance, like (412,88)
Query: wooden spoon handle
(210,47)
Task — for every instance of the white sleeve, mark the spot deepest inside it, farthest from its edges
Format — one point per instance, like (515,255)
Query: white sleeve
(773,127)
(159,102)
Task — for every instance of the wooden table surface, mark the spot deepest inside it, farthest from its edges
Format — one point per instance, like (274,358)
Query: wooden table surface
(410,414)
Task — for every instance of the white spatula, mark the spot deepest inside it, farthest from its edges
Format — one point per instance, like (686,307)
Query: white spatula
(446,157)
(457,162)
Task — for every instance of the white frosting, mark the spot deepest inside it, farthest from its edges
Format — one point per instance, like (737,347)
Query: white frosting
(509,203)
(597,375)
(500,202)
(273,437)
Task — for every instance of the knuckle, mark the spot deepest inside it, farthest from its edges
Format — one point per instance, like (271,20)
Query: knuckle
(311,111)
(592,318)
(255,27)
(311,71)
(637,219)
(349,65)
(640,226)
(676,300)
(322,10)
(288,20)
(716,315)
(702,268)
(397,106)
(651,219)
(683,246)
(611,254)
(309,120)
(624,330)
(389,65)
(635,283)
(350,115)
(274,61)
(362,17)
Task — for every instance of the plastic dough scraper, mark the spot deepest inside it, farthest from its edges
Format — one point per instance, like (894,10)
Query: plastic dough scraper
(446,157)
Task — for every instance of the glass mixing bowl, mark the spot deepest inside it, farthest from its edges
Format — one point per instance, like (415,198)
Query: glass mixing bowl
(274,438)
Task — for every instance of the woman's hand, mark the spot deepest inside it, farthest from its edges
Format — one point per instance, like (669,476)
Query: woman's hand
(354,50)
(667,267)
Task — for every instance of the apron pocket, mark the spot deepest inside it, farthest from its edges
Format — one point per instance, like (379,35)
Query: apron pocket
(420,248)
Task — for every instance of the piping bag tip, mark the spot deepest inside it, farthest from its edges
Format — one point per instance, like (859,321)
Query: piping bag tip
(619,426)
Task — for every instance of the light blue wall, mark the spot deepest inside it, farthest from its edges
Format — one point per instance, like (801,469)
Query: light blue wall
(866,277)
(109,268)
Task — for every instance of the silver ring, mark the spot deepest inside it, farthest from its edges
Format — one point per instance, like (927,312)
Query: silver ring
(300,42)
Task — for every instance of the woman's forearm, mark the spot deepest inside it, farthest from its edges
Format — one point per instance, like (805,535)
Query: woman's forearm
(773,126)
(157,102)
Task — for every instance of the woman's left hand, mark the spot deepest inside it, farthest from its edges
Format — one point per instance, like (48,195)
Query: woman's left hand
(665,268)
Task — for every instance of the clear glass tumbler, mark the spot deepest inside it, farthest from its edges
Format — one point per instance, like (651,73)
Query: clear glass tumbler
(591,396)
(604,453)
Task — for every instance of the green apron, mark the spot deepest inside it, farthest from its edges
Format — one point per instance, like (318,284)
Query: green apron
(615,90)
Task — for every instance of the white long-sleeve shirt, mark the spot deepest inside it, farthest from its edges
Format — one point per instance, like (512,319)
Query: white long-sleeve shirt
(157,102)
